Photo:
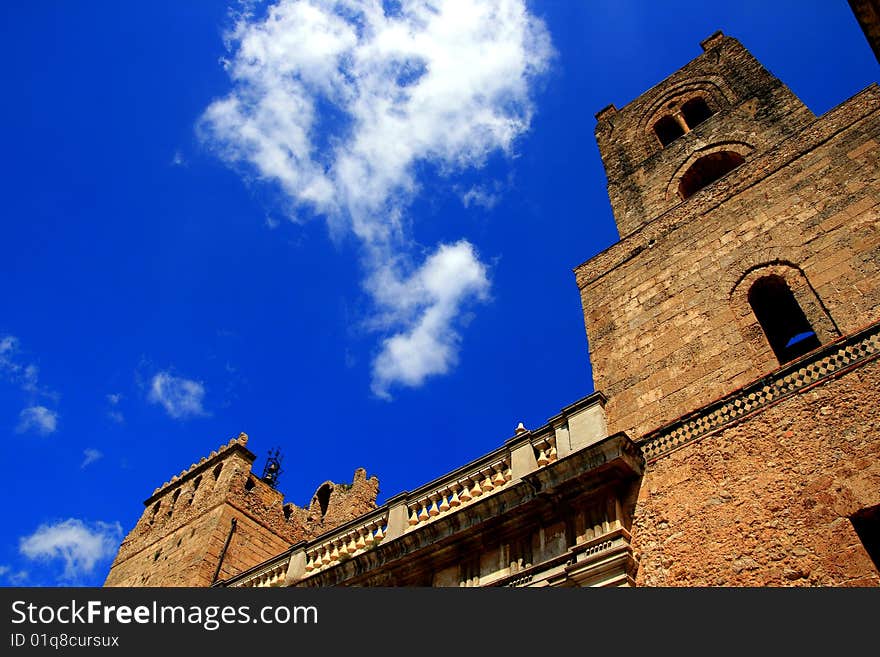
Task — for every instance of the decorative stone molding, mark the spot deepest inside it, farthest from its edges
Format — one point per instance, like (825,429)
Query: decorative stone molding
(824,363)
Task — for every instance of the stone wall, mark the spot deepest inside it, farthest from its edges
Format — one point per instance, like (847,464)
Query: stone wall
(643,174)
(767,501)
(180,537)
(667,321)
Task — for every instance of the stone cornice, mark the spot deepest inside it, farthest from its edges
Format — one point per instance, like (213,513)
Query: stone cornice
(613,459)
(826,362)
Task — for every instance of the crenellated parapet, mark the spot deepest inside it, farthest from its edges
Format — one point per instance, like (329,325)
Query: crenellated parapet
(217,518)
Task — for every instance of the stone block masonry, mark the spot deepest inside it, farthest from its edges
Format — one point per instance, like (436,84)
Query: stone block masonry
(186,536)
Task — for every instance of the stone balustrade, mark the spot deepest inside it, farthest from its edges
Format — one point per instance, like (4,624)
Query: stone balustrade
(545,450)
(576,428)
(347,543)
(270,573)
(460,491)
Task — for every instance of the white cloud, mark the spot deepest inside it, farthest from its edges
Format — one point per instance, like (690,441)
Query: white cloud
(13,578)
(38,419)
(90,456)
(14,368)
(8,345)
(428,303)
(114,413)
(9,357)
(78,545)
(181,398)
(339,103)
(480,197)
(18,578)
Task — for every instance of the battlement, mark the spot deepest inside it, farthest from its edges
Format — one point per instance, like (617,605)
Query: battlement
(206,462)
(217,518)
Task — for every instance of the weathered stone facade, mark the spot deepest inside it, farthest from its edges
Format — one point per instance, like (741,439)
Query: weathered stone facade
(217,519)
(734,438)
(766,501)
(665,308)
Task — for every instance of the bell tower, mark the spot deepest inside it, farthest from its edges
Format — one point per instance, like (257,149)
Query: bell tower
(730,197)
(691,129)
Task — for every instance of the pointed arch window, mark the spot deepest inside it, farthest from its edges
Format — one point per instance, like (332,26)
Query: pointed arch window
(783,321)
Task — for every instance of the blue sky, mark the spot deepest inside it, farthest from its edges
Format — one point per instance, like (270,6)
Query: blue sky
(349,235)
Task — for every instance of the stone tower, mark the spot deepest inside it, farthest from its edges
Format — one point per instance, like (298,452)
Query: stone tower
(735,327)
(217,519)
(720,177)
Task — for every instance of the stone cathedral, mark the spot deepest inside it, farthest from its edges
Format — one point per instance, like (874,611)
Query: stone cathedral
(733,438)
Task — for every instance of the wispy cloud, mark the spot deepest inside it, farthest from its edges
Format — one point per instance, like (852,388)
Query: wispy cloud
(80,546)
(480,197)
(90,456)
(14,578)
(341,102)
(18,578)
(181,398)
(38,419)
(15,368)
(114,413)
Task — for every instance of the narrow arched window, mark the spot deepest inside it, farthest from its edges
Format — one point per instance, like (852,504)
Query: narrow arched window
(173,502)
(787,329)
(196,484)
(668,130)
(323,496)
(707,170)
(695,111)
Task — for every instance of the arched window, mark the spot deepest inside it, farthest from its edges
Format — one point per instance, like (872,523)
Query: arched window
(681,120)
(695,111)
(323,496)
(707,170)
(196,484)
(787,329)
(173,502)
(668,130)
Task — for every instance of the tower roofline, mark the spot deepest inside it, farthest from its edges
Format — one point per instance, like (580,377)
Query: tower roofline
(708,44)
(237,444)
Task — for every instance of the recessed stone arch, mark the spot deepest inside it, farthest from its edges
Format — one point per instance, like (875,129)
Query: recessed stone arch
(741,149)
(321,499)
(814,310)
(714,91)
